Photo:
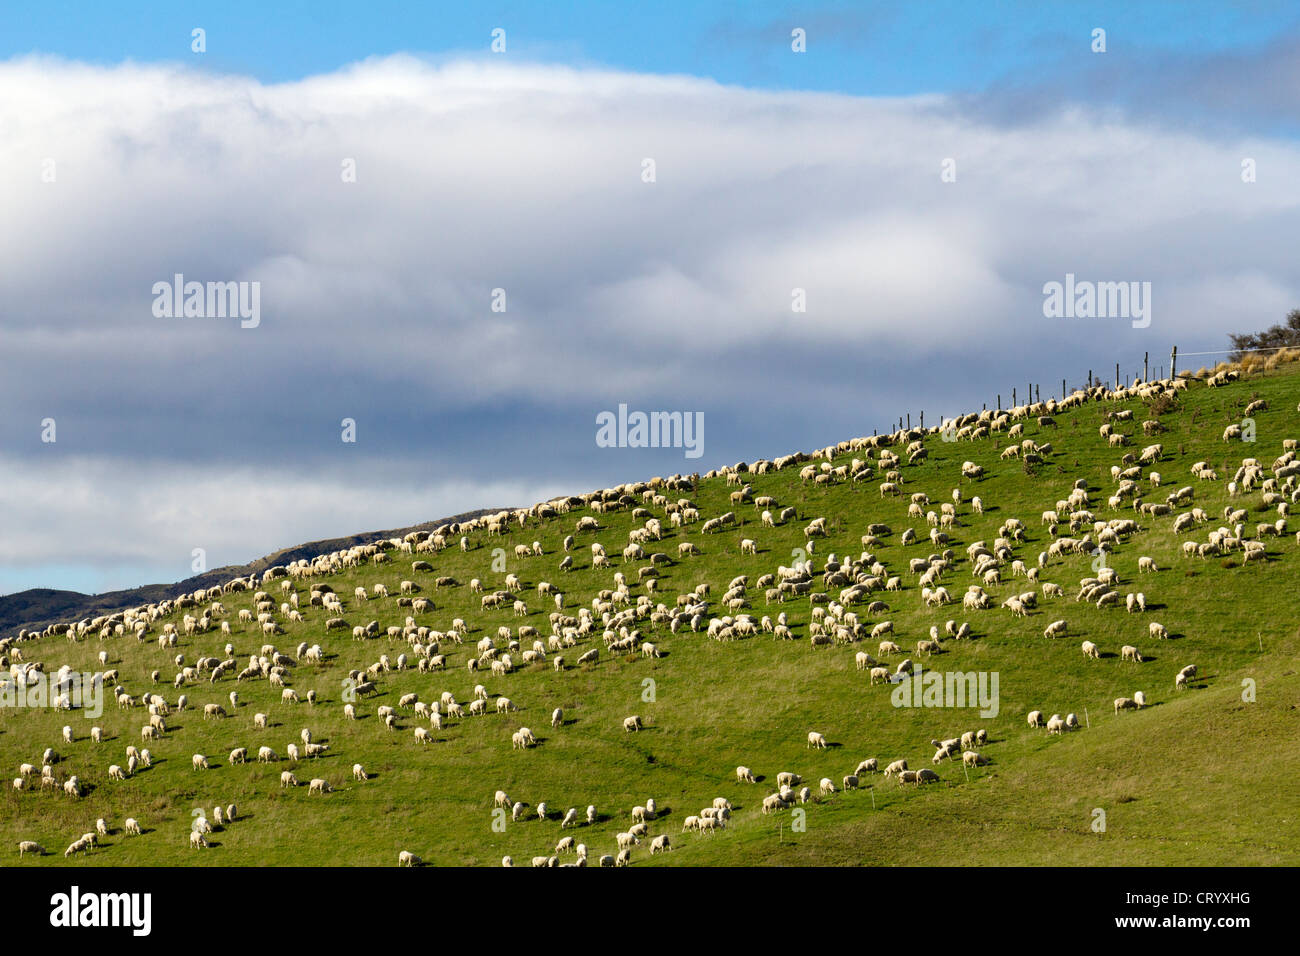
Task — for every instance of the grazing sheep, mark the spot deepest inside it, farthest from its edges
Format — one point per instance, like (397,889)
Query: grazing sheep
(407,858)
(1090,650)
(1035,718)
(1130,653)
(744,775)
(816,740)
(632,723)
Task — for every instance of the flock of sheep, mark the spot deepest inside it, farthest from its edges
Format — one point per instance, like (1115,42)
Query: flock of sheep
(837,600)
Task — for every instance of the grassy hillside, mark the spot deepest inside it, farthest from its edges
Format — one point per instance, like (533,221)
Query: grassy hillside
(37,607)
(1201,776)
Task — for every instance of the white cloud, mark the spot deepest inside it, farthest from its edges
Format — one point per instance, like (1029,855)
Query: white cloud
(105,513)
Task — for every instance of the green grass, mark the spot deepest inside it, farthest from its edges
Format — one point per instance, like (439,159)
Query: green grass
(1201,777)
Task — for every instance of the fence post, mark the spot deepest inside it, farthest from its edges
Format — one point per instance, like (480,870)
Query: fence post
(1173,363)
(1146,370)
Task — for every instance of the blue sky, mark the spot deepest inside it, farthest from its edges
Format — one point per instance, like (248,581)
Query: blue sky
(858,48)
(776,171)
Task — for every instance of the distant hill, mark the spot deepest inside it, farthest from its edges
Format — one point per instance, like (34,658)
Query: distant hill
(37,607)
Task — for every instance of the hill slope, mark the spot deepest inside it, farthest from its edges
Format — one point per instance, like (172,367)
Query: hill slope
(37,607)
(1200,776)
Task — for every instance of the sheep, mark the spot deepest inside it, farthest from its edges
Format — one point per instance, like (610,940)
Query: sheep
(199,762)
(1035,718)
(1056,629)
(1130,653)
(632,723)
(1158,630)
(744,775)
(407,858)
(897,767)
(319,785)
(973,759)
(196,840)
(1055,724)
(816,740)
(1090,650)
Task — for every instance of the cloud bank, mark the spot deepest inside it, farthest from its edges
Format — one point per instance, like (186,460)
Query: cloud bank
(474,176)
